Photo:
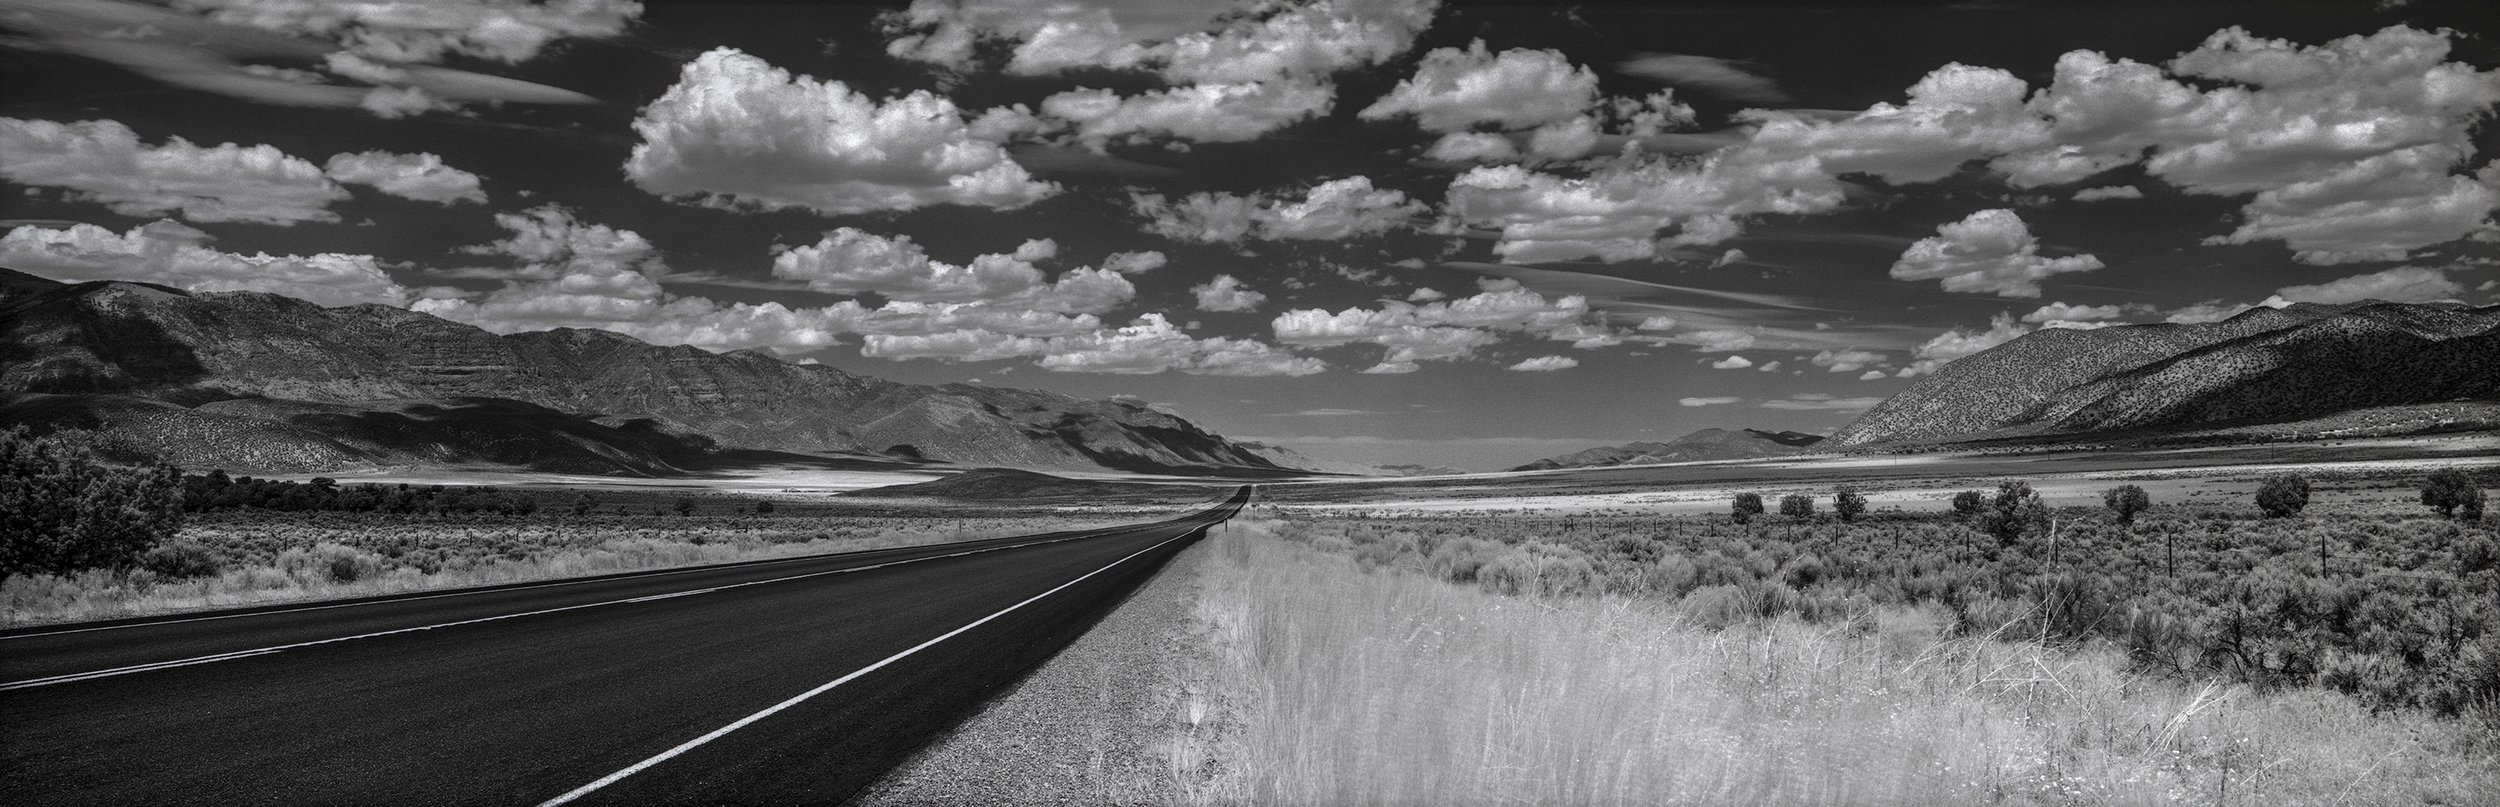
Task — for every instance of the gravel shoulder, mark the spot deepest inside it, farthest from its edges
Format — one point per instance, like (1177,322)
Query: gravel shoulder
(1113,719)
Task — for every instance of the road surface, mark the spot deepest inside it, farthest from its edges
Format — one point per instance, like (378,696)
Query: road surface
(797,681)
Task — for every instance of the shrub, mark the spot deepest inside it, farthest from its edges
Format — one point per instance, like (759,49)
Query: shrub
(763,507)
(2283,495)
(2015,510)
(685,505)
(2450,490)
(181,560)
(1747,506)
(1797,506)
(1968,502)
(62,511)
(2126,501)
(1848,504)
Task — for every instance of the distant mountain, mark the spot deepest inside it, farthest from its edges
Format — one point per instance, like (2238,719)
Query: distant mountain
(1707,444)
(1419,470)
(998,484)
(304,385)
(2265,366)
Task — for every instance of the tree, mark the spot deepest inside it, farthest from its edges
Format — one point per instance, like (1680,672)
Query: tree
(2126,501)
(1968,502)
(583,504)
(2015,509)
(685,505)
(1747,506)
(2283,495)
(1797,506)
(764,507)
(2450,490)
(1849,504)
(62,511)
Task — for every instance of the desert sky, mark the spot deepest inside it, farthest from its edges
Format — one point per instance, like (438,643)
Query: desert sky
(1371,230)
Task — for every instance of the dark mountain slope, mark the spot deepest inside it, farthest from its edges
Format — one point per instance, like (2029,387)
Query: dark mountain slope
(2264,366)
(1706,444)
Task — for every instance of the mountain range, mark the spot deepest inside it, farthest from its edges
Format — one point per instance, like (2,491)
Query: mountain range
(1707,444)
(2265,365)
(266,382)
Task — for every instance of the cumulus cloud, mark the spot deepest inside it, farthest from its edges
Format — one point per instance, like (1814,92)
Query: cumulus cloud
(1206,113)
(1616,211)
(1473,147)
(1333,210)
(1716,340)
(735,131)
(1134,263)
(1181,42)
(1454,90)
(853,261)
(1732,362)
(1226,293)
(170,254)
(2055,312)
(1153,345)
(498,30)
(103,161)
(421,176)
(2403,284)
(1708,401)
(2353,151)
(2351,147)
(2108,192)
(1438,331)
(1230,78)
(1988,251)
(1846,361)
(1544,364)
(1956,343)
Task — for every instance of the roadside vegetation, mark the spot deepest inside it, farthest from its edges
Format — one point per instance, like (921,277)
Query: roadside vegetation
(84,540)
(2002,651)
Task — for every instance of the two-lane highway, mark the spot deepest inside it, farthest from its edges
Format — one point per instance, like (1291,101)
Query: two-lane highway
(781,682)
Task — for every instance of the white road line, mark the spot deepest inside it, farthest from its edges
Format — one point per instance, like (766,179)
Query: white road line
(262,651)
(802,697)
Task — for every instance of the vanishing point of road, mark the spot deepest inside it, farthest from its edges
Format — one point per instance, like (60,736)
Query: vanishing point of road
(797,681)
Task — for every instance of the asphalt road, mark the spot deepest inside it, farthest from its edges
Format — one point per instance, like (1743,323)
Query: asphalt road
(783,682)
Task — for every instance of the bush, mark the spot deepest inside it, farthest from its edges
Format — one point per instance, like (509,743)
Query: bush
(61,511)
(1968,502)
(763,507)
(685,505)
(2126,501)
(2283,495)
(181,560)
(2451,490)
(2015,510)
(1797,506)
(1747,506)
(1848,504)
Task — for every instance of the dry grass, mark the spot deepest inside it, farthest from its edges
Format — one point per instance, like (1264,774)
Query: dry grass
(1340,685)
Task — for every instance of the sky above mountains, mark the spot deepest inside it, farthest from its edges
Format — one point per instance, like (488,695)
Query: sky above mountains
(1373,230)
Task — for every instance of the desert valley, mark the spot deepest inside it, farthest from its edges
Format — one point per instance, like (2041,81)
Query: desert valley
(1313,402)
